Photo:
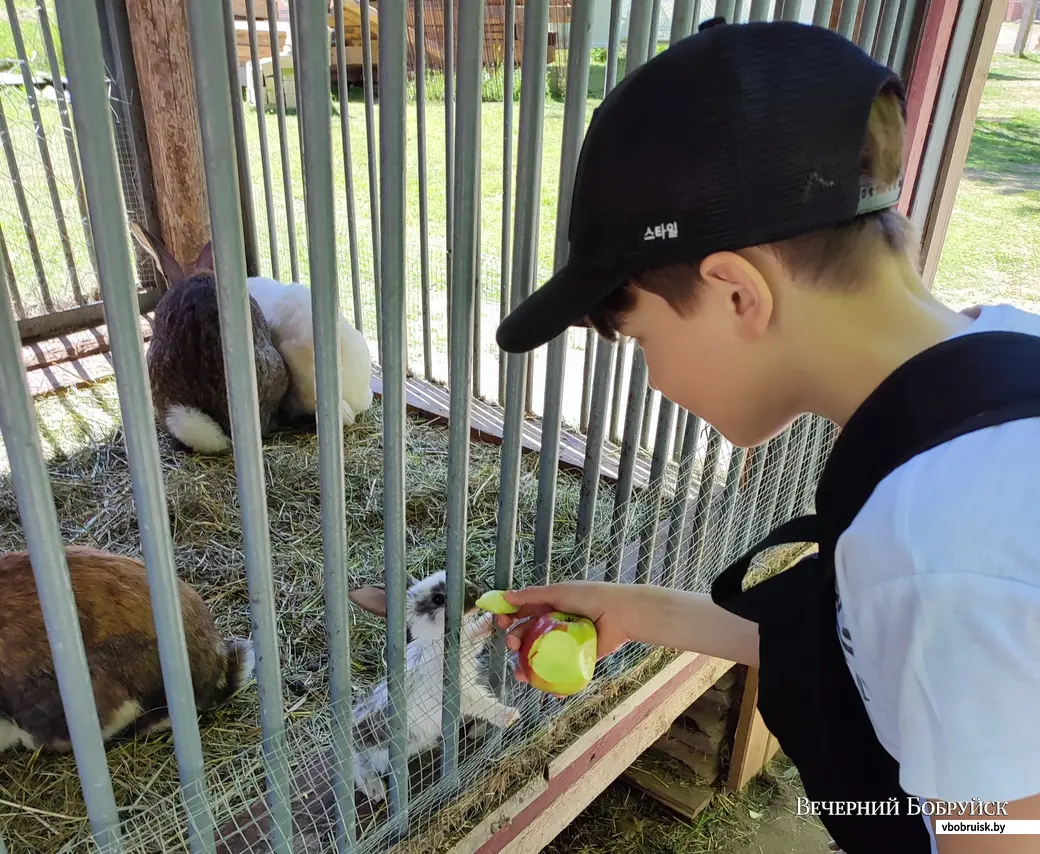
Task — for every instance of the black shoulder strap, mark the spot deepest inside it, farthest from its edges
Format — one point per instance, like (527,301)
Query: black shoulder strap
(957,387)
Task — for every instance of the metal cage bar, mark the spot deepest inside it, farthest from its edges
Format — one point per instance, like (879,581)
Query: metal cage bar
(373,160)
(424,213)
(205,23)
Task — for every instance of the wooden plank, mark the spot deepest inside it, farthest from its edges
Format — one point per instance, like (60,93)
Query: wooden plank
(159,34)
(75,345)
(596,759)
(689,801)
(962,125)
(753,744)
(923,88)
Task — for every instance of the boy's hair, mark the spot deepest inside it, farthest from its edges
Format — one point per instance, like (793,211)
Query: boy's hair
(841,255)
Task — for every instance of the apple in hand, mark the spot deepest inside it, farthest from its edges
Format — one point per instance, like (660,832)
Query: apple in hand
(558,653)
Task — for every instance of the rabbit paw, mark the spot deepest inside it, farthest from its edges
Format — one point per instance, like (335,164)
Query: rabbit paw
(372,787)
(506,718)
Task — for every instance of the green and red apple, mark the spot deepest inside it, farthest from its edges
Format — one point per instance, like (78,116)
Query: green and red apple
(558,651)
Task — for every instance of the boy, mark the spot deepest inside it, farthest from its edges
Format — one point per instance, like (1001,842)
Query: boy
(734,213)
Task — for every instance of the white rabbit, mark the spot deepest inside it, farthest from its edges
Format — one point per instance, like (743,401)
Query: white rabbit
(424,675)
(287,308)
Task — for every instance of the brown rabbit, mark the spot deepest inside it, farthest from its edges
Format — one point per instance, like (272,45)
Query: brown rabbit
(186,359)
(115,616)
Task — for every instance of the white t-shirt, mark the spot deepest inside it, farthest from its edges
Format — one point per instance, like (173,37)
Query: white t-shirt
(939,584)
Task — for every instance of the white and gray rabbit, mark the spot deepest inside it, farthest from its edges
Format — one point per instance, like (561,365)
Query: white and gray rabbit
(186,356)
(287,308)
(424,675)
(115,616)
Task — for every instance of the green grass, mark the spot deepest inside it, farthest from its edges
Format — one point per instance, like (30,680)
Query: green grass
(992,248)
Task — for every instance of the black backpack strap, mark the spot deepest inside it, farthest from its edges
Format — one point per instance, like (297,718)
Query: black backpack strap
(957,387)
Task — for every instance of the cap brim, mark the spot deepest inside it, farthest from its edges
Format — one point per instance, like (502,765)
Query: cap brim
(562,302)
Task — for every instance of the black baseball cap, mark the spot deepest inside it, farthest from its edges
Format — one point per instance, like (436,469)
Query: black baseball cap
(735,136)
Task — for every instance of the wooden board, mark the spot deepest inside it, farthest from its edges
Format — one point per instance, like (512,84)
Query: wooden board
(689,801)
(962,125)
(532,819)
(923,88)
(753,744)
(159,33)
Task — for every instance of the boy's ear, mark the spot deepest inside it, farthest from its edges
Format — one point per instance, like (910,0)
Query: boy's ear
(741,286)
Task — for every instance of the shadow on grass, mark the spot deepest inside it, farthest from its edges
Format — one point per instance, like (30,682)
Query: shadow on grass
(1006,154)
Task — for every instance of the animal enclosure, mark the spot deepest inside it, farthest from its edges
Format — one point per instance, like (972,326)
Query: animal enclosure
(421,211)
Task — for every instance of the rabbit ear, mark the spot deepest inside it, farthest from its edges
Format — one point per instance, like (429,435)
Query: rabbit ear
(371,598)
(160,254)
(205,259)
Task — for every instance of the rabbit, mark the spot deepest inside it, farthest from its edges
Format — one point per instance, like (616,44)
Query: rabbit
(287,307)
(424,675)
(186,358)
(115,616)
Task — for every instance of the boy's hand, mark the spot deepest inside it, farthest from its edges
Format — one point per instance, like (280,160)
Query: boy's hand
(601,602)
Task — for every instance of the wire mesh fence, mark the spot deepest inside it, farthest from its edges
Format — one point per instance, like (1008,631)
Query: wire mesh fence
(400,725)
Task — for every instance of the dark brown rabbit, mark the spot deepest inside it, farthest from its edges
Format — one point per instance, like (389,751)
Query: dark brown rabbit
(115,616)
(186,359)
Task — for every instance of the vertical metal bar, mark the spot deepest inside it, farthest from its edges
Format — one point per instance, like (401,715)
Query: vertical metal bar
(294,47)
(315,84)
(348,166)
(655,19)
(869,25)
(373,172)
(261,127)
(847,18)
(754,490)
(586,379)
(792,10)
(45,154)
(728,511)
(573,132)
(66,124)
(83,57)
(245,185)
(648,413)
(3,848)
(639,34)
(797,461)
(725,8)
(702,506)
(626,466)
(274,25)
(424,214)
(16,298)
(776,465)
(23,209)
(908,8)
(680,501)
(464,258)
(225,212)
(507,176)
(525,265)
(478,309)
(590,476)
(449,144)
(822,13)
(680,430)
(759,10)
(886,30)
(960,44)
(40,524)
(392,123)
(620,352)
(682,19)
(655,490)
(613,47)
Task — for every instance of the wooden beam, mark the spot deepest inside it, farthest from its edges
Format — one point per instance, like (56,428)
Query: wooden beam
(955,153)
(923,87)
(533,818)
(159,34)
(753,744)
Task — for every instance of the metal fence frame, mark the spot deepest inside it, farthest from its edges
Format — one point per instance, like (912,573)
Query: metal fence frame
(741,489)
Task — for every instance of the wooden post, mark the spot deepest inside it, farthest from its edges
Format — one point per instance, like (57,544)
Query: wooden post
(159,34)
(753,744)
(1028,14)
(962,127)
(923,88)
